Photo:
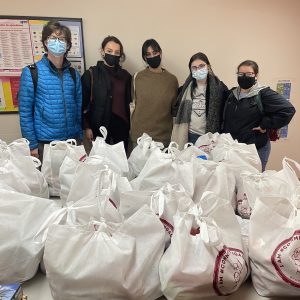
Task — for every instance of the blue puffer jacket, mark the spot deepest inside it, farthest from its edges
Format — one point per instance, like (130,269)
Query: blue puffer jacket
(54,112)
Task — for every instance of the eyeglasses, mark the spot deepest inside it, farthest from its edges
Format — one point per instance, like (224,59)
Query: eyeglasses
(55,38)
(195,68)
(247,74)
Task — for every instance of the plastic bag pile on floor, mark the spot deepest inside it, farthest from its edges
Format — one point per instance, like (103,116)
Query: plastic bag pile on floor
(190,224)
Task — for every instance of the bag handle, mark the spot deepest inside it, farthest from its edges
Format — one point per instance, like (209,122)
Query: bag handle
(20,141)
(286,162)
(187,145)
(36,161)
(210,233)
(144,139)
(71,142)
(103,131)
(158,201)
(106,176)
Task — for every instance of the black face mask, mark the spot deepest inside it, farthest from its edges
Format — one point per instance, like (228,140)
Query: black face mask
(154,62)
(246,82)
(112,60)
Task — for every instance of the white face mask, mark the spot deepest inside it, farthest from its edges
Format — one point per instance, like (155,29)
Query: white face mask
(200,74)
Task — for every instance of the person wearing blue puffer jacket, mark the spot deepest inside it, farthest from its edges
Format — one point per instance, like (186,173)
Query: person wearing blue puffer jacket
(50,104)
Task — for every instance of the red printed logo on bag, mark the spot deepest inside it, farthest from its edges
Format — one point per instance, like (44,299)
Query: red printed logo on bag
(243,207)
(286,260)
(230,271)
(168,227)
(207,148)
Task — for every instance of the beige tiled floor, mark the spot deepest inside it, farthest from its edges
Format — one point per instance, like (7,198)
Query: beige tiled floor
(38,289)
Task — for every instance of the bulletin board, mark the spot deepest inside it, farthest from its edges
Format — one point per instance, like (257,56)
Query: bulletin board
(21,45)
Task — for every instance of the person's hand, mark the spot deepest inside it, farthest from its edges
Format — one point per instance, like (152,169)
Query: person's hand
(89,134)
(259,129)
(35,152)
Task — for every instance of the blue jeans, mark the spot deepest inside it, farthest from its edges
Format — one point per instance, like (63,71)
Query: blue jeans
(193,137)
(264,153)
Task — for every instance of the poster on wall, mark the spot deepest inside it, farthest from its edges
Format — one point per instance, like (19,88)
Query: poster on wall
(284,88)
(21,45)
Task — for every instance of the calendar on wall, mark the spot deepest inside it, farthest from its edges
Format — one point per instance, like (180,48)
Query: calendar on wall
(21,45)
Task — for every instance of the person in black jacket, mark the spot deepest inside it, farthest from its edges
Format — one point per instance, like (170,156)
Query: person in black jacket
(245,120)
(106,92)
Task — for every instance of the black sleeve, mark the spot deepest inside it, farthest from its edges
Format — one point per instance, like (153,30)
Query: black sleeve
(226,91)
(278,112)
(86,96)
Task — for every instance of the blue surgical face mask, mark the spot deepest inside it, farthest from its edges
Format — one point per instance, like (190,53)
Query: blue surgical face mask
(57,47)
(200,74)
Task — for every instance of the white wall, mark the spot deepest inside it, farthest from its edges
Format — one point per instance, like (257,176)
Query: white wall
(228,31)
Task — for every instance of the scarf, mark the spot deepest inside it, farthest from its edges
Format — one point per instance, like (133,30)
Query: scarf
(214,107)
(255,89)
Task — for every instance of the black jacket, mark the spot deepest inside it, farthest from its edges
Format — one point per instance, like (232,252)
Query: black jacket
(241,116)
(97,109)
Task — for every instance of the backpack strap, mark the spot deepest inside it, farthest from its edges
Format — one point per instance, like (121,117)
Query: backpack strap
(257,99)
(34,75)
(274,134)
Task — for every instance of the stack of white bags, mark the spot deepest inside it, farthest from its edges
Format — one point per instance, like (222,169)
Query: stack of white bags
(186,224)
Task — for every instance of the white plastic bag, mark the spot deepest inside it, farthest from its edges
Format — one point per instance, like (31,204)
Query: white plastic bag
(210,263)
(67,172)
(17,148)
(90,186)
(214,177)
(10,180)
(21,174)
(101,261)
(140,154)
(167,202)
(28,168)
(207,142)
(132,201)
(256,185)
(274,244)
(238,157)
(290,173)
(54,154)
(20,218)
(86,182)
(162,168)
(114,153)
